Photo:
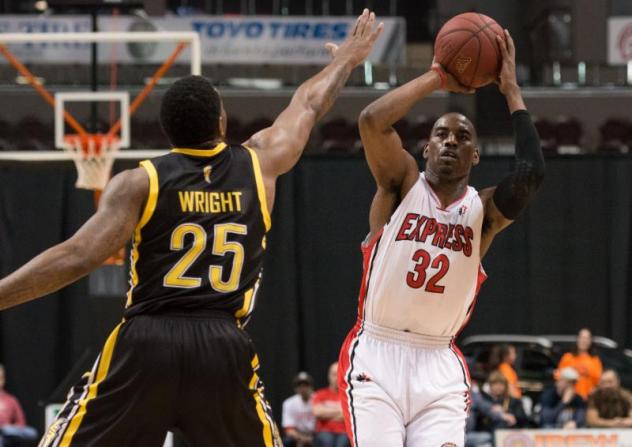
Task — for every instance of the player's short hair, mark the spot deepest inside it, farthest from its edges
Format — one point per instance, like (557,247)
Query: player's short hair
(190,111)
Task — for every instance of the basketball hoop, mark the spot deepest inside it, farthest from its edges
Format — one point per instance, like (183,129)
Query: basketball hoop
(93,155)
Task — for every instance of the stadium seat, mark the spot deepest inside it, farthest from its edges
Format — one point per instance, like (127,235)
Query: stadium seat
(419,134)
(568,134)
(31,134)
(339,136)
(616,136)
(548,138)
(5,136)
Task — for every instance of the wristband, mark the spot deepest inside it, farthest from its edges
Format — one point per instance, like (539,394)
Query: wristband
(442,75)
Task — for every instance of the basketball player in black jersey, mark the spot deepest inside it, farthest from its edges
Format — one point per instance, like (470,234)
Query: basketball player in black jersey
(198,219)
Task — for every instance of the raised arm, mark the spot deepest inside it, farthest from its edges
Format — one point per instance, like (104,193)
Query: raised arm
(504,202)
(101,236)
(280,146)
(394,169)
(388,161)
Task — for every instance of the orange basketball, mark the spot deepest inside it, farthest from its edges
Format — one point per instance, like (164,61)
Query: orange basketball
(467,48)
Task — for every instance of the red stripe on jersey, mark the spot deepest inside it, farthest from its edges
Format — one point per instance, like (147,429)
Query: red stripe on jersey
(482,276)
(461,357)
(347,351)
(466,371)
(367,258)
(344,370)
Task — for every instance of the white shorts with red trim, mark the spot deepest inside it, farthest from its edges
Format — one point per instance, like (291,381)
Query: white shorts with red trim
(402,389)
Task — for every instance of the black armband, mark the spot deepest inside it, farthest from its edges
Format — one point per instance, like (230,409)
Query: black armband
(514,192)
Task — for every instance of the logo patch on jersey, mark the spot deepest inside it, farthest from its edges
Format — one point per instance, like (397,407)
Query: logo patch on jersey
(363,377)
(207,173)
(462,210)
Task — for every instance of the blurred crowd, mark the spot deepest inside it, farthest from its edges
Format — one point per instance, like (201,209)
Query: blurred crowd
(584,394)
(314,418)
(13,429)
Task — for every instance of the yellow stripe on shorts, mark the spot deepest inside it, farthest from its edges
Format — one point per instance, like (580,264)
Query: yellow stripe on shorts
(102,371)
(267,426)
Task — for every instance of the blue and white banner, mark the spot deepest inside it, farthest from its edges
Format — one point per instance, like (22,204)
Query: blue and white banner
(226,40)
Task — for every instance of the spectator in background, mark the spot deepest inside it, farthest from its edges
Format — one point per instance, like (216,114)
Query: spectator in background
(610,406)
(330,425)
(505,411)
(298,419)
(562,407)
(503,359)
(583,360)
(482,409)
(13,428)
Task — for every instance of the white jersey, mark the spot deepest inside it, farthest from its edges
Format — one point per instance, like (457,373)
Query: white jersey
(423,272)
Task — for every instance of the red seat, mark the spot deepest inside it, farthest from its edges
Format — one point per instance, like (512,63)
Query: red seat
(548,138)
(616,136)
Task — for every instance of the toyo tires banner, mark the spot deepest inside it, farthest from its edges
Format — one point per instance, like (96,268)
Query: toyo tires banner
(226,40)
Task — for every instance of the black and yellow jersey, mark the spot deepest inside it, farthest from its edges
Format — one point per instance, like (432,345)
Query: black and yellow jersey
(200,240)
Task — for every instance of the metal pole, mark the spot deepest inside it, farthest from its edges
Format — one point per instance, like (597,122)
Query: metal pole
(349,8)
(243,7)
(309,7)
(94,73)
(393,8)
(325,8)
(220,7)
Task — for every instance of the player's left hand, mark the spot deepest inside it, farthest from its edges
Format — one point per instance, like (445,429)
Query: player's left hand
(359,43)
(507,78)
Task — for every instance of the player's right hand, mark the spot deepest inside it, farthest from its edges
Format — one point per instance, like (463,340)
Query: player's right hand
(449,82)
(359,43)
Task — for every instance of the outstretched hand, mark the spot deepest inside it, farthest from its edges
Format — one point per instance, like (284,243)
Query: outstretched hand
(449,82)
(507,77)
(359,43)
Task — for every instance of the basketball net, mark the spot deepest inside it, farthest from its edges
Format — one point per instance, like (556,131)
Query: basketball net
(93,156)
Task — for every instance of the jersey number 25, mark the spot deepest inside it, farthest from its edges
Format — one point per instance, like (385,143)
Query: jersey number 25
(221,246)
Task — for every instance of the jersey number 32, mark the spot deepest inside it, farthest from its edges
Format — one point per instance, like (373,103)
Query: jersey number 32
(417,278)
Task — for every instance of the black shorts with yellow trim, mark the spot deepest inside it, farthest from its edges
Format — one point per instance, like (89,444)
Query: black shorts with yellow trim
(194,374)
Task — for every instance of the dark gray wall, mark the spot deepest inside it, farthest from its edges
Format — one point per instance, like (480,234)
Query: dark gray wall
(565,264)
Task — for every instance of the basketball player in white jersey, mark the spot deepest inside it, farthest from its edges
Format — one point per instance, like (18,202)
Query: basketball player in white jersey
(404,382)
